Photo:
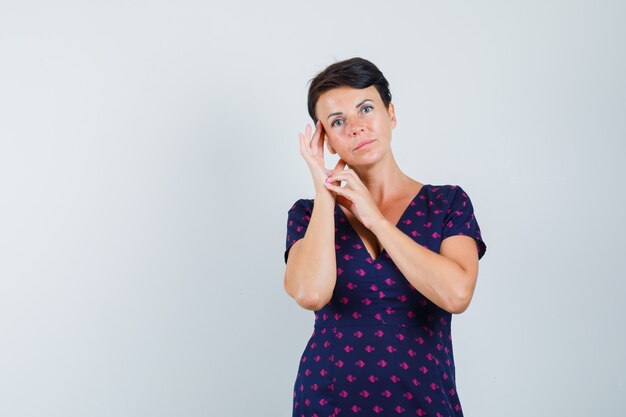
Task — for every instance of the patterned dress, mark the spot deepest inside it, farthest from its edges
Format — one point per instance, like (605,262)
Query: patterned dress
(379,347)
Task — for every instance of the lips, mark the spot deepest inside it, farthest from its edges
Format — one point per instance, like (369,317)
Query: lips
(364,143)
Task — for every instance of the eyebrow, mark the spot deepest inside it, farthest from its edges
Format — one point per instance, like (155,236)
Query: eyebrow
(357,106)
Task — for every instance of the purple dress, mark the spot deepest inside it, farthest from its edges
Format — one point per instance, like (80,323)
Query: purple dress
(379,347)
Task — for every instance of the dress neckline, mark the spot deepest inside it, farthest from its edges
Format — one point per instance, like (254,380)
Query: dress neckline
(398,223)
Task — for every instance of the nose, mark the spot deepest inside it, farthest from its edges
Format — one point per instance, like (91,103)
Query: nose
(354,127)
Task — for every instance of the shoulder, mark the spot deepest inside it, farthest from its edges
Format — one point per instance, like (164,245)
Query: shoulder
(302,204)
(302,208)
(445,193)
(446,189)
(449,198)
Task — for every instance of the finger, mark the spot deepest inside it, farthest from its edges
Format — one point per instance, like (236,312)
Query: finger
(319,126)
(317,141)
(348,184)
(303,151)
(350,178)
(307,135)
(342,191)
(354,176)
(341,164)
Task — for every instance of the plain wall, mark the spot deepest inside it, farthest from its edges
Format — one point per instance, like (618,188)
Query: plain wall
(149,154)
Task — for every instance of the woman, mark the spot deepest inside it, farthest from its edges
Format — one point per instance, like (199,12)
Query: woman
(383,261)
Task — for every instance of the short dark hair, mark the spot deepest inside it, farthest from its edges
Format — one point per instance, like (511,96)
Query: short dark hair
(354,72)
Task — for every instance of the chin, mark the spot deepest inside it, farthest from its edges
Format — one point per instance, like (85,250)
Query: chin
(365,161)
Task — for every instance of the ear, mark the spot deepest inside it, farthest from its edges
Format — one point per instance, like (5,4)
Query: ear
(392,115)
(328,145)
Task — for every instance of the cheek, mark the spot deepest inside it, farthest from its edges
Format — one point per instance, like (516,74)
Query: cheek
(338,142)
(384,125)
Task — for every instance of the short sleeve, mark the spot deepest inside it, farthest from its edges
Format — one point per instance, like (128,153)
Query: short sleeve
(298,219)
(460,219)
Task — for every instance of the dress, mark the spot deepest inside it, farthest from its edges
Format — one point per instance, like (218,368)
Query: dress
(379,347)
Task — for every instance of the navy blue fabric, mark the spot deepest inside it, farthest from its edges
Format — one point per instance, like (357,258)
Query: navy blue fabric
(379,347)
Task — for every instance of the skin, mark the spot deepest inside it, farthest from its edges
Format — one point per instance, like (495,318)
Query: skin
(374,193)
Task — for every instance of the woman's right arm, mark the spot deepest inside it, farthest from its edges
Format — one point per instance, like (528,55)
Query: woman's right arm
(311,270)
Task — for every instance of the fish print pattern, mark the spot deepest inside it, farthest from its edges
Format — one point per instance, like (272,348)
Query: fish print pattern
(379,347)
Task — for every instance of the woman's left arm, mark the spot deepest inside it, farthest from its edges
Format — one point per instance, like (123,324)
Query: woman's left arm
(447,278)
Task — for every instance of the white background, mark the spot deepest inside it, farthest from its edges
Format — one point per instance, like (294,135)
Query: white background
(149,155)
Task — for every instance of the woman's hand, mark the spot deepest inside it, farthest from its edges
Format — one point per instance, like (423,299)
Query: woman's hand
(355,197)
(312,150)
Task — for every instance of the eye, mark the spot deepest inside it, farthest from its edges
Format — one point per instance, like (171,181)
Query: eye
(336,123)
(367,109)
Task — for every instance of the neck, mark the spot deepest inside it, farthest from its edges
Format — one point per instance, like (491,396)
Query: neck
(384,180)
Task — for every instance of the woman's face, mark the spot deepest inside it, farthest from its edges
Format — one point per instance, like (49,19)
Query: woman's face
(357,124)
